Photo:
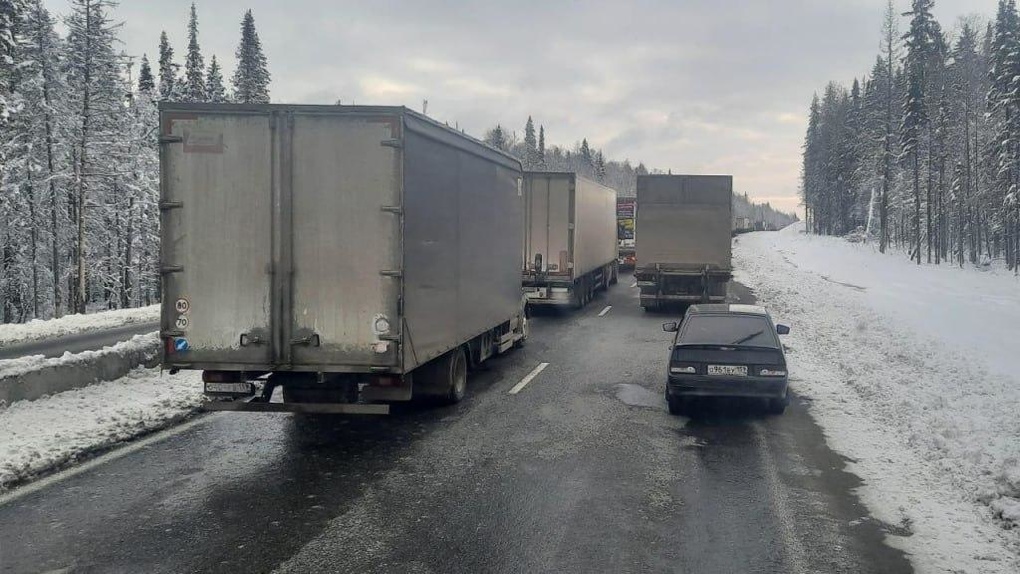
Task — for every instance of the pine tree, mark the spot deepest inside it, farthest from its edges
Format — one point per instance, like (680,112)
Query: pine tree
(194,67)
(890,34)
(251,79)
(920,48)
(167,69)
(541,148)
(34,155)
(496,137)
(587,166)
(146,83)
(1002,102)
(96,99)
(215,91)
(530,159)
(600,167)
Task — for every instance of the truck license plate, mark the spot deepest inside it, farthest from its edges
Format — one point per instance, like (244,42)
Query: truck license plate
(230,388)
(735,370)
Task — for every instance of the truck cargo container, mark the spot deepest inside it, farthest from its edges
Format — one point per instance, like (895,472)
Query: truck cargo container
(683,239)
(352,256)
(570,245)
(742,225)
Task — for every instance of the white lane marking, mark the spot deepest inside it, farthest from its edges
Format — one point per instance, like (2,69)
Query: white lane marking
(634,284)
(606,310)
(111,456)
(534,373)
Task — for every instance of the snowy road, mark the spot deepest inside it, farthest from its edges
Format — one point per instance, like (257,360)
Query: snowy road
(581,471)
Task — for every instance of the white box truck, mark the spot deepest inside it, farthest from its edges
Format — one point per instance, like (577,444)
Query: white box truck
(683,239)
(351,256)
(570,246)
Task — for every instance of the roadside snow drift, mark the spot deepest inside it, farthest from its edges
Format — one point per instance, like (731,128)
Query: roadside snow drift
(38,436)
(72,324)
(911,372)
(28,378)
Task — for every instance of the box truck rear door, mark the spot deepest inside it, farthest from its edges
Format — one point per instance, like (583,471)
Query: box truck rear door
(346,237)
(216,204)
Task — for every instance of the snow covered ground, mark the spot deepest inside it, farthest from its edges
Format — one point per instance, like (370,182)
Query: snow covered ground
(38,436)
(910,371)
(70,324)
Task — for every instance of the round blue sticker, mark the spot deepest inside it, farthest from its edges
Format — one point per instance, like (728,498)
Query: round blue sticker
(180,344)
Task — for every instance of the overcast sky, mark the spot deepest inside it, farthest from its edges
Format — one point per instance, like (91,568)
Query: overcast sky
(696,86)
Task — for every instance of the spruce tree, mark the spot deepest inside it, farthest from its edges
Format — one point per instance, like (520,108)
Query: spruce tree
(96,91)
(496,137)
(541,148)
(587,166)
(146,83)
(41,123)
(251,78)
(920,42)
(194,67)
(600,167)
(215,91)
(167,70)
(530,146)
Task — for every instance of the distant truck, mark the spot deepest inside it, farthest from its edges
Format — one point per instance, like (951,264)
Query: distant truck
(683,239)
(351,256)
(570,246)
(742,225)
(625,210)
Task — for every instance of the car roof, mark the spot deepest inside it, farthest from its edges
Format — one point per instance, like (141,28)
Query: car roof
(727,309)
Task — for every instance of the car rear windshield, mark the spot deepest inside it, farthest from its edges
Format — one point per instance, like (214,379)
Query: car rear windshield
(740,330)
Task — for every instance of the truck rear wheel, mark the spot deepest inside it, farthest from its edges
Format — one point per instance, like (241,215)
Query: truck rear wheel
(444,379)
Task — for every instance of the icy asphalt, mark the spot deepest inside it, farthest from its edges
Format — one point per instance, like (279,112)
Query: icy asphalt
(581,471)
(77,342)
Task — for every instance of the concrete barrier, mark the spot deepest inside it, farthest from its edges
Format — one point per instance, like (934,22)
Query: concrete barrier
(31,378)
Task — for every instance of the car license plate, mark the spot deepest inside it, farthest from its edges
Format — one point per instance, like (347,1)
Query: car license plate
(230,388)
(733,370)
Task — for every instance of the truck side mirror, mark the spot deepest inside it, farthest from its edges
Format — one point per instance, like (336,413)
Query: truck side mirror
(782,329)
(538,262)
(671,327)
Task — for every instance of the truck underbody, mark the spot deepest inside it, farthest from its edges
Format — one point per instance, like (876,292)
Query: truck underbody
(553,290)
(664,287)
(323,392)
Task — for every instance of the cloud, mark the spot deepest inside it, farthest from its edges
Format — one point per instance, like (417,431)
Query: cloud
(719,85)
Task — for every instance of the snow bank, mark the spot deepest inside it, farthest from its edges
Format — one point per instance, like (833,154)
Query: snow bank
(71,324)
(908,371)
(38,436)
(23,365)
(29,378)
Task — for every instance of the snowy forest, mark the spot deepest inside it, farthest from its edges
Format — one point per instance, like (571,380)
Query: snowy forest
(619,175)
(79,157)
(923,152)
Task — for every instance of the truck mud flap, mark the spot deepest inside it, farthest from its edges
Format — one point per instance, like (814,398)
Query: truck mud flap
(312,408)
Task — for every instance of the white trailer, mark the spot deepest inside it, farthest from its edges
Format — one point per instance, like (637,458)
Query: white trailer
(570,246)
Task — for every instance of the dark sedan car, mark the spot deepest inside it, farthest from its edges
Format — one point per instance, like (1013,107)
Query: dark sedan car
(726,351)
